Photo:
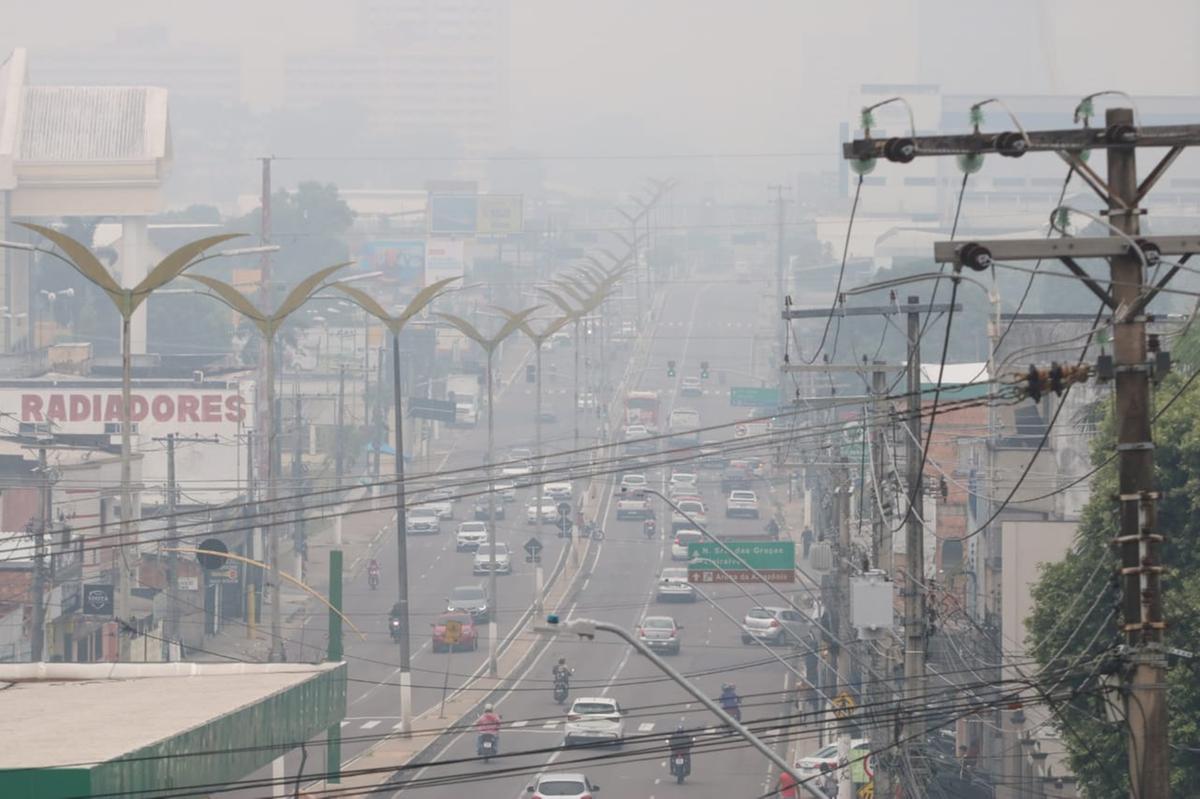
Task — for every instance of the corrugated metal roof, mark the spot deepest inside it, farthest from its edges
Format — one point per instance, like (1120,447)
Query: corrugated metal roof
(88,123)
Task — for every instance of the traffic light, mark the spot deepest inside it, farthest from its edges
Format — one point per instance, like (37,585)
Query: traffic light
(1057,378)
(530,373)
(670,368)
(704,370)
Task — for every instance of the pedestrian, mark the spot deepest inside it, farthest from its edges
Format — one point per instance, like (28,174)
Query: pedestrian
(806,538)
(787,786)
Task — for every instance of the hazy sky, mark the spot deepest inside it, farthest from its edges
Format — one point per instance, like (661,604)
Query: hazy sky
(704,75)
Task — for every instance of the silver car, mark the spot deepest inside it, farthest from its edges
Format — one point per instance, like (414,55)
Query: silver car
(673,584)
(776,626)
(483,559)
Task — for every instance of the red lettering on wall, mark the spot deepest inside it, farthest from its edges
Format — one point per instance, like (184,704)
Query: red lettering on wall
(56,409)
(112,408)
(163,408)
(97,407)
(235,411)
(210,405)
(139,407)
(80,407)
(31,408)
(189,407)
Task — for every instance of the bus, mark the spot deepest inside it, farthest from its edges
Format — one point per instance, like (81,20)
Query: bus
(683,427)
(643,407)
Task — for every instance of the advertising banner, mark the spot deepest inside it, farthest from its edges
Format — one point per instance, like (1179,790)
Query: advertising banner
(402,261)
(452,213)
(499,213)
(444,258)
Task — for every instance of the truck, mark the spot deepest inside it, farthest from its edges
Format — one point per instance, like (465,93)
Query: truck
(643,408)
(683,427)
(464,389)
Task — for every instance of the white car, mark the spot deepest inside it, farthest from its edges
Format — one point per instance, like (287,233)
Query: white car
(635,431)
(562,786)
(520,454)
(741,503)
(826,759)
(587,400)
(673,584)
(483,559)
(594,719)
(679,545)
(507,489)
(549,511)
(694,509)
(422,519)
(659,633)
(516,469)
(470,536)
(559,492)
(633,482)
(681,480)
(444,508)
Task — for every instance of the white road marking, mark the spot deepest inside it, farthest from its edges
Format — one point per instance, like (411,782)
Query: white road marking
(345,724)
(520,723)
(549,725)
(370,725)
(646,726)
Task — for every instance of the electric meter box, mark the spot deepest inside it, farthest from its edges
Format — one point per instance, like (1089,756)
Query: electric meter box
(872,604)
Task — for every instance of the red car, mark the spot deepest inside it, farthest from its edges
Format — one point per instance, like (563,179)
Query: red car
(468,638)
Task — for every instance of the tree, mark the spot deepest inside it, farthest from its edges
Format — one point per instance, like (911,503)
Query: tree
(1063,632)
(309,225)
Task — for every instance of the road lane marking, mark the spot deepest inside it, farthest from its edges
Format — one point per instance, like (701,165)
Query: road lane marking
(549,725)
(520,723)
(646,726)
(370,725)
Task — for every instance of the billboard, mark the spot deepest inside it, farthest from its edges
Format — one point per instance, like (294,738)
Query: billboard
(452,213)
(499,213)
(219,412)
(470,214)
(444,258)
(403,261)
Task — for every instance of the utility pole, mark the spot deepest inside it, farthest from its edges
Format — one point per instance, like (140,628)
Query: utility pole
(340,433)
(914,543)
(264,301)
(882,559)
(299,545)
(254,547)
(172,582)
(38,633)
(780,271)
(844,630)
(1139,542)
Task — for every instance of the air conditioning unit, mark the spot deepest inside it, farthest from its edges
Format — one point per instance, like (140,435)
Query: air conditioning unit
(198,377)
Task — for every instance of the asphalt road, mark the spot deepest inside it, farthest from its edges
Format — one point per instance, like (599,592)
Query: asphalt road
(620,589)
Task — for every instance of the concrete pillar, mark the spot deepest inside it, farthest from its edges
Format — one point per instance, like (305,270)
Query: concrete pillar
(132,266)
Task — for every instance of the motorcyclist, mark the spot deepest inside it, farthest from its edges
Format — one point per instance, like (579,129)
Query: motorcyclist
(731,703)
(648,527)
(395,620)
(562,671)
(489,724)
(680,744)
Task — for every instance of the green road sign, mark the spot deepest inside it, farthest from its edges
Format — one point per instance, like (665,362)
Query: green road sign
(753,397)
(774,560)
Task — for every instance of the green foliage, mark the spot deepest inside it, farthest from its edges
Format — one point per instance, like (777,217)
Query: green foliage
(308,224)
(1059,624)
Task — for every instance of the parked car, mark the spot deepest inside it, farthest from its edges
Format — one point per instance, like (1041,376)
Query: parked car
(826,758)
(594,719)
(742,502)
(660,633)
(775,626)
(468,637)
(673,584)
(562,786)
(483,559)
(470,536)
(422,520)
(690,387)
(472,600)
(679,545)
(482,509)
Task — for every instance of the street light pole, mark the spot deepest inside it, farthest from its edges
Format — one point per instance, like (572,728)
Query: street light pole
(395,324)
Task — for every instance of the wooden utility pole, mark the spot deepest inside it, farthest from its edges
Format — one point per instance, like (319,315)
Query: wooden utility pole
(38,630)
(172,582)
(1139,542)
(340,433)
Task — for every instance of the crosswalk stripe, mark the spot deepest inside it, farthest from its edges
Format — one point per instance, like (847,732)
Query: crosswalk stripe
(646,726)
(549,725)
(520,723)
(345,724)
(709,730)
(370,725)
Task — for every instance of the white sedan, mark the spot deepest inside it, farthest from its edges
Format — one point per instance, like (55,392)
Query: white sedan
(562,786)
(594,719)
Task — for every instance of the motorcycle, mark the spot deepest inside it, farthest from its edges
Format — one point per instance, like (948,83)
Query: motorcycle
(373,579)
(681,766)
(395,629)
(561,688)
(486,748)
(649,529)
(593,531)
